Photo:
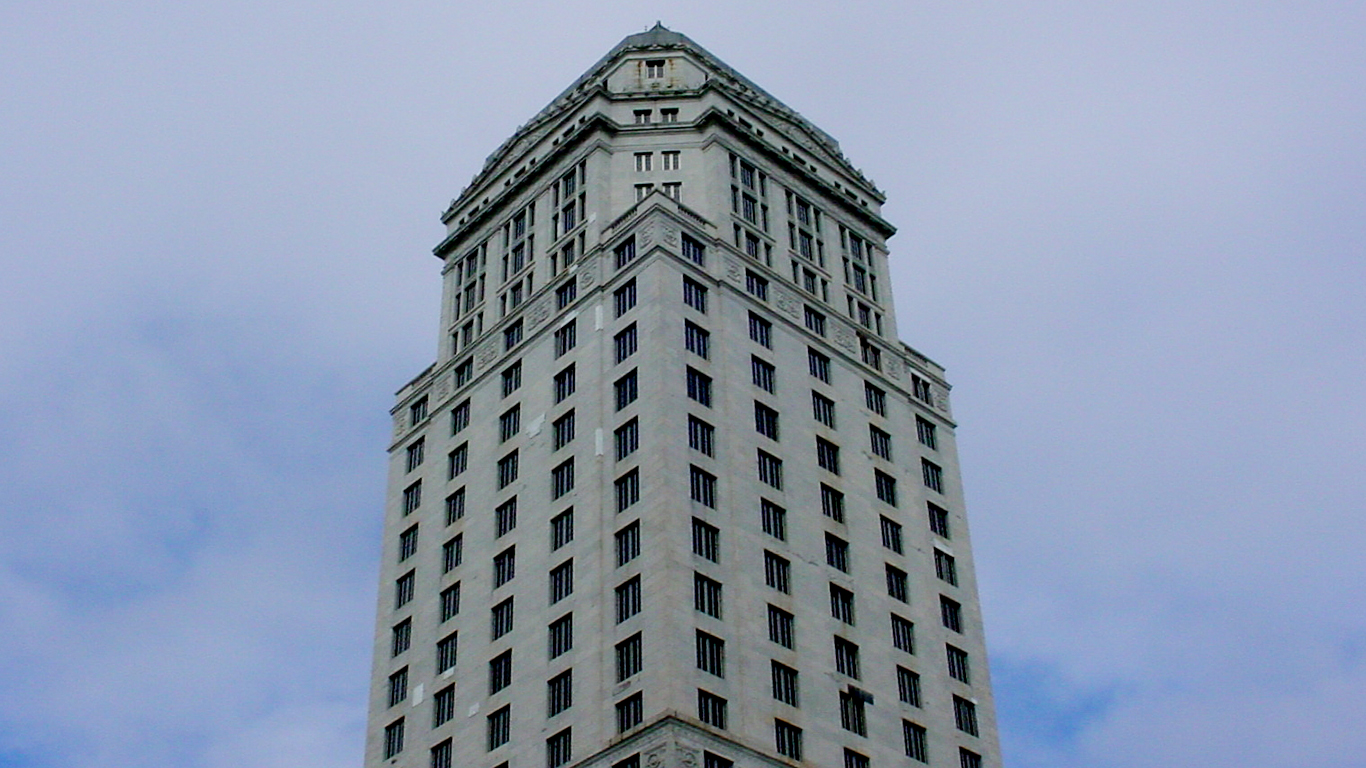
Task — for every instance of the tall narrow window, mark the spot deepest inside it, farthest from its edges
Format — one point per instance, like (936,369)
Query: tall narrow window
(697,340)
(624,298)
(625,342)
(774,519)
(626,389)
(628,543)
(695,294)
(896,583)
(926,431)
(778,572)
(701,436)
(706,540)
(562,430)
(699,387)
(707,595)
(702,486)
(761,330)
(780,626)
(627,438)
(945,567)
(770,469)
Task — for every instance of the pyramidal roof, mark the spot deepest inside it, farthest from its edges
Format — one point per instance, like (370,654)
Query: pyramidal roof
(660,37)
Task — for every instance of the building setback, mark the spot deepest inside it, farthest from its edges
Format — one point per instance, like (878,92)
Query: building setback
(673,493)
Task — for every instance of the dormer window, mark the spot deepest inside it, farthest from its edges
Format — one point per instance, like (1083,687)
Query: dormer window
(643,116)
(668,115)
(654,68)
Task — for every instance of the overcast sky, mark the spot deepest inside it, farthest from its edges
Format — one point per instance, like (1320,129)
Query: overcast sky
(1134,232)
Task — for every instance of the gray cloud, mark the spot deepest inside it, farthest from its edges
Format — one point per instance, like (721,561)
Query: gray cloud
(1132,231)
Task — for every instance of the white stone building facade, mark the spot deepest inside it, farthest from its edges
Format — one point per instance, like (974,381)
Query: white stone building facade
(673,493)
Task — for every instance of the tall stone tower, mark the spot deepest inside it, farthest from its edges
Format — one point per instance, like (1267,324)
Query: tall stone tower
(673,493)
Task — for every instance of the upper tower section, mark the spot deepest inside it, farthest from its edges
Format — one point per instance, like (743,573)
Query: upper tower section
(655,79)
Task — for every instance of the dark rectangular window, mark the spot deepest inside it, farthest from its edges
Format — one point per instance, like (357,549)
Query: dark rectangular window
(502,616)
(968,759)
(711,709)
(625,253)
(695,294)
(562,478)
(853,717)
(770,469)
(701,436)
(853,759)
(398,686)
(778,572)
(504,566)
(787,739)
(417,412)
(628,599)
(908,686)
(463,373)
(630,713)
(407,544)
(446,649)
(927,433)
(629,658)
(505,517)
(692,249)
(512,335)
(457,461)
(875,398)
(818,365)
(628,543)
(561,581)
(881,442)
(508,424)
(625,343)
(828,455)
(780,626)
(832,503)
(762,373)
(562,430)
(624,298)
(784,683)
(562,529)
(450,601)
(393,738)
(702,485)
(711,654)
(951,613)
(846,658)
(512,378)
(500,672)
(500,727)
(933,475)
(761,330)
(823,409)
(565,294)
(626,389)
(706,540)
(564,384)
(559,693)
(443,706)
(774,519)
(921,389)
(699,387)
(455,506)
(915,741)
(627,438)
(627,489)
(697,340)
(815,321)
(452,553)
(896,583)
(765,420)
(416,451)
(412,498)
(566,337)
(507,470)
(886,486)
(401,637)
(903,634)
(560,635)
(965,715)
(706,595)
(403,589)
(945,567)
(958,664)
(939,520)
(836,552)
(842,604)
(756,285)
(891,535)
(460,417)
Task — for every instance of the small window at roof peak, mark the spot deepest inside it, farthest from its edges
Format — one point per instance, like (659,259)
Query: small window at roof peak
(654,68)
